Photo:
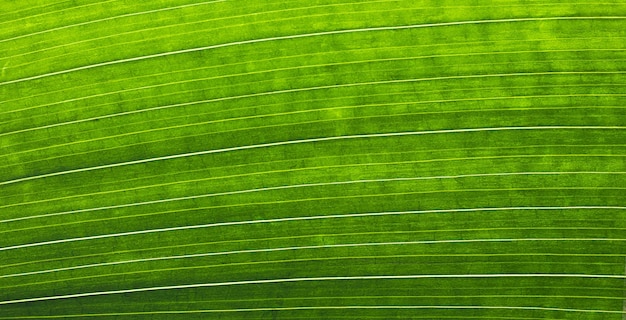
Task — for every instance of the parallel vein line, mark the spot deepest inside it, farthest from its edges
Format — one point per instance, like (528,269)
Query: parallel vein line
(278,220)
(108,19)
(291,142)
(306,35)
(310,185)
(330,278)
(311,168)
(300,67)
(289,57)
(329,246)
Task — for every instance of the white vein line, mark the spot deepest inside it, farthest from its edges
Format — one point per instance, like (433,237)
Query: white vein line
(283,124)
(551,254)
(330,278)
(348,307)
(345,197)
(335,86)
(280,59)
(49,12)
(309,67)
(290,142)
(273,115)
(624,303)
(308,185)
(178,25)
(306,35)
(278,220)
(508,156)
(304,169)
(431,7)
(110,18)
(156,29)
(315,167)
(329,246)
(180,35)
(264,262)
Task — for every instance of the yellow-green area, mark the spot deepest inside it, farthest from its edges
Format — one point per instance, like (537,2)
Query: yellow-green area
(312,159)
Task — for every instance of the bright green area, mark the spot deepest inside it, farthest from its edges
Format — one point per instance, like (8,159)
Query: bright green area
(278,159)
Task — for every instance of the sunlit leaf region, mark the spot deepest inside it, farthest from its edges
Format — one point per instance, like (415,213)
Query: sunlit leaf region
(313,159)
